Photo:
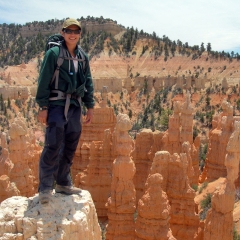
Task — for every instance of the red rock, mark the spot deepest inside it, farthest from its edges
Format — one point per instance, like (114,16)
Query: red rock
(20,158)
(218,140)
(153,212)
(7,189)
(121,204)
(219,220)
(184,221)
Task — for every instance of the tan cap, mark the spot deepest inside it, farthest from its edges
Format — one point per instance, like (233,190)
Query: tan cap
(71,21)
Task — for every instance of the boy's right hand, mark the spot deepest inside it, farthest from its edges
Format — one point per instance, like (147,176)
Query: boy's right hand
(42,116)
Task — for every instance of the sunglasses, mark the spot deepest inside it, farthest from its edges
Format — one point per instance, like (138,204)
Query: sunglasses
(70,31)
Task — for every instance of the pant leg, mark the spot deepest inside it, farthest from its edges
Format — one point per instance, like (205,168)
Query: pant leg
(53,141)
(69,146)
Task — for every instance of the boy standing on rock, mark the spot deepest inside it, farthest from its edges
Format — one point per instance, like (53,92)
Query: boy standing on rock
(60,109)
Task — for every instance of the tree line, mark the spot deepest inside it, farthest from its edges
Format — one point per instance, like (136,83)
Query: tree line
(16,49)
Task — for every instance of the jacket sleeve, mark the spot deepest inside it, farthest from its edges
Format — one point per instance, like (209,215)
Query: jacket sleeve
(88,98)
(46,72)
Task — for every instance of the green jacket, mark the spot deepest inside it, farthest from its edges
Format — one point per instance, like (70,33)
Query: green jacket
(79,83)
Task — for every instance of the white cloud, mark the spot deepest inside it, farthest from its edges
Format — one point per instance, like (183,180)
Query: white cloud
(215,21)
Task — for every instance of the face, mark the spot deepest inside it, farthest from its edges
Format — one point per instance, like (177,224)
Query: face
(71,37)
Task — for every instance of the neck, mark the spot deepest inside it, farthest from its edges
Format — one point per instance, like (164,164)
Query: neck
(71,49)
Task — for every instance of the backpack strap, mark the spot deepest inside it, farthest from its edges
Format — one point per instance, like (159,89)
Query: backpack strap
(62,56)
(82,57)
(60,95)
(59,63)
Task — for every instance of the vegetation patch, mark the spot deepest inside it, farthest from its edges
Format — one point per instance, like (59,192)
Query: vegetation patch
(205,204)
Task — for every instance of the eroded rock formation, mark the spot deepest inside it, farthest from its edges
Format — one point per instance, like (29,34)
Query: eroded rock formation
(94,156)
(186,121)
(5,163)
(24,153)
(104,118)
(13,92)
(66,217)
(218,140)
(153,212)
(174,169)
(114,84)
(177,139)
(122,202)
(97,176)
(140,155)
(19,160)
(8,189)
(219,221)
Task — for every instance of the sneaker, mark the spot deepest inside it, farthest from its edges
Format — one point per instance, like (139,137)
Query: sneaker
(45,196)
(68,190)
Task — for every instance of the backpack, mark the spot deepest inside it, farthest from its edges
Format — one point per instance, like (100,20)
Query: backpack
(56,40)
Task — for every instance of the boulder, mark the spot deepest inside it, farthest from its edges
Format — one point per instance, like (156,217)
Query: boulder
(65,217)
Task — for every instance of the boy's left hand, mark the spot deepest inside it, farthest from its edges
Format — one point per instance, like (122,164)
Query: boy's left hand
(89,116)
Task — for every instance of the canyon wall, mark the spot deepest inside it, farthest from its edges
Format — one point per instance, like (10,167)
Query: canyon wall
(106,154)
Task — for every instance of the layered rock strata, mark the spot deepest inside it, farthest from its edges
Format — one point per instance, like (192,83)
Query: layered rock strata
(104,118)
(97,176)
(24,153)
(153,212)
(219,220)
(186,121)
(19,160)
(177,139)
(5,163)
(218,140)
(93,159)
(143,162)
(122,202)
(184,220)
(180,127)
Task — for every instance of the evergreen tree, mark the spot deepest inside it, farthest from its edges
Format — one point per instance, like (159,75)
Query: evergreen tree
(9,103)
(209,48)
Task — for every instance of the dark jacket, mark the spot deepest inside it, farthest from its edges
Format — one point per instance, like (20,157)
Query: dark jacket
(79,84)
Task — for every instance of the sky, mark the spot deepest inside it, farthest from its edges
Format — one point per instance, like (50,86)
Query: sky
(193,21)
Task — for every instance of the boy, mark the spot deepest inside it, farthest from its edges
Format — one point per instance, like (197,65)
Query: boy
(60,110)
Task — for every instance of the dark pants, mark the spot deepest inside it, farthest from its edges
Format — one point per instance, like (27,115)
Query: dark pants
(61,140)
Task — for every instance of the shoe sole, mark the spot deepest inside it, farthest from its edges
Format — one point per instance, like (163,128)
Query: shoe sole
(64,192)
(44,201)
(67,193)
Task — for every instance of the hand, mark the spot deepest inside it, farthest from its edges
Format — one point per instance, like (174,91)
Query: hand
(42,116)
(89,116)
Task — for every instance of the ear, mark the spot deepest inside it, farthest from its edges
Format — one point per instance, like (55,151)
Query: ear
(62,33)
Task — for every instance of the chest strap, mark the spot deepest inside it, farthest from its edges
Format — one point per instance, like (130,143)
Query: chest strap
(63,54)
(61,95)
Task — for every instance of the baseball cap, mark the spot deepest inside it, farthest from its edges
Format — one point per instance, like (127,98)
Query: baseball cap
(71,21)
